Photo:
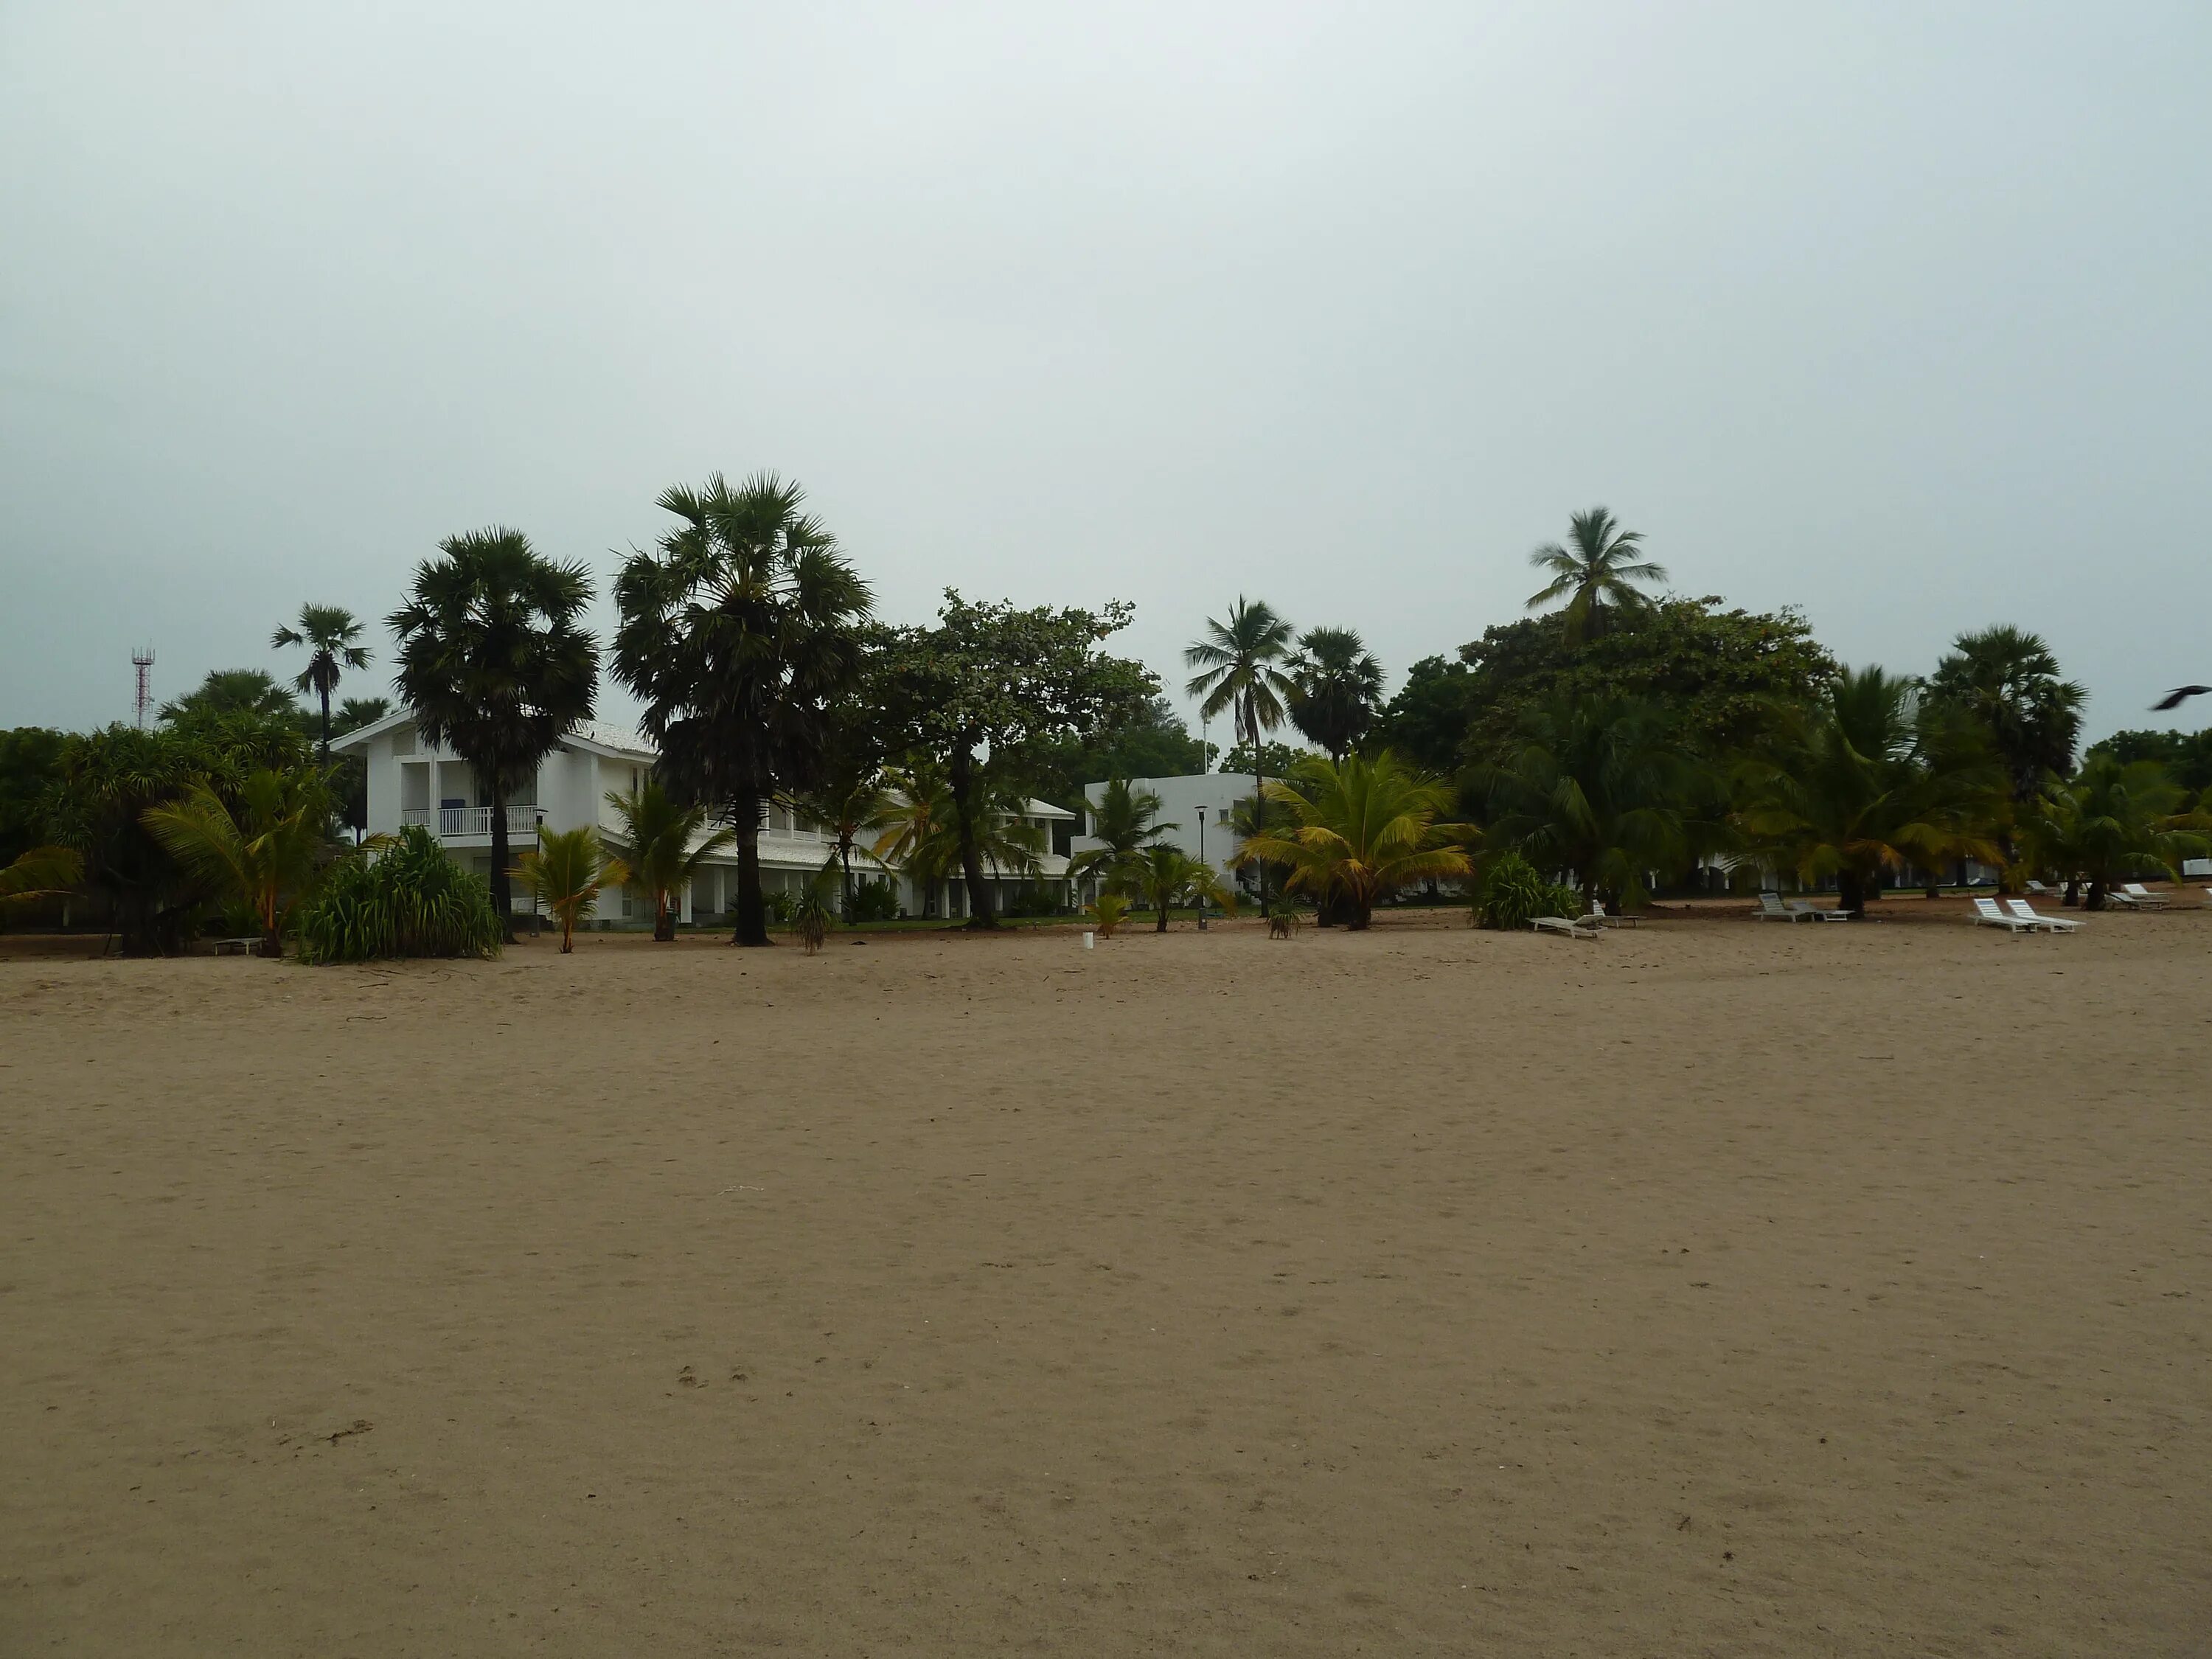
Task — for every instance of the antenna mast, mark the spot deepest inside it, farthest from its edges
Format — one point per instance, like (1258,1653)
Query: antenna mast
(143,660)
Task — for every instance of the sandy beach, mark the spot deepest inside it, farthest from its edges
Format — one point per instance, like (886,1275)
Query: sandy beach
(1712,1289)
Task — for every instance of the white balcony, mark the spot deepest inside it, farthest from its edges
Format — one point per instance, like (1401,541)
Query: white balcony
(462,823)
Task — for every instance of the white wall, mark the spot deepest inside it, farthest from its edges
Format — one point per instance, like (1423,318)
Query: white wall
(1182,801)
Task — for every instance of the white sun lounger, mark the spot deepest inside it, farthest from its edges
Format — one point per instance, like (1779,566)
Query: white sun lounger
(2027,911)
(1584,928)
(1986,914)
(1814,913)
(1772,908)
(2142,897)
(2038,889)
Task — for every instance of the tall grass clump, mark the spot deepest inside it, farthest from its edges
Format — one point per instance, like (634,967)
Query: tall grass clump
(1514,891)
(412,901)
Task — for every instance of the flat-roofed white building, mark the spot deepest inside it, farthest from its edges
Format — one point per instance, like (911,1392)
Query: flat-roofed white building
(409,782)
(1198,809)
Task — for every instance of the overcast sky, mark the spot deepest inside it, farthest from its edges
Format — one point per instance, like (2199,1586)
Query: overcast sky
(1897,313)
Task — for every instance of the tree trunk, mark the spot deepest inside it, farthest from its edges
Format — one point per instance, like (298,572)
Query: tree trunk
(502,894)
(962,771)
(1850,892)
(2096,899)
(664,917)
(2073,892)
(752,911)
(1161,925)
(326,725)
(1259,789)
(845,863)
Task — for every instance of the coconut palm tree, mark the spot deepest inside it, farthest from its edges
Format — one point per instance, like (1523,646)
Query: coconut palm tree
(1340,689)
(1237,671)
(853,802)
(261,852)
(227,691)
(741,634)
(496,665)
(1127,819)
(40,872)
(1360,830)
(660,834)
(566,873)
(922,829)
(1599,573)
(2107,821)
(1164,876)
(332,637)
(1869,778)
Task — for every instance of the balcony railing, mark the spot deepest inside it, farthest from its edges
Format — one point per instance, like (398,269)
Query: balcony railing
(521,820)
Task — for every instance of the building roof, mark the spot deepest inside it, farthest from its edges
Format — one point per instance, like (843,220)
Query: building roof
(621,741)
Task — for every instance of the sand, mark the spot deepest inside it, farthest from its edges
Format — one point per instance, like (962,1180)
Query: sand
(1712,1289)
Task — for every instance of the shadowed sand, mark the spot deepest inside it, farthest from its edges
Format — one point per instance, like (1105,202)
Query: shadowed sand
(1711,1289)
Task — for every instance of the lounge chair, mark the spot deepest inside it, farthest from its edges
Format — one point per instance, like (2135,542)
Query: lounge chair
(1813,912)
(2027,911)
(1772,908)
(2142,897)
(2038,889)
(1581,928)
(1986,914)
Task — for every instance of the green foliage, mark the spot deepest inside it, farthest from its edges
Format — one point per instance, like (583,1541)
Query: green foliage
(30,768)
(991,677)
(741,634)
(495,663)
(1273,760)
(237,691)
(2187,755)
(2112,821)
(663,860)
(1514,892)
(1360,830)
(1238,663)
(566,872)
(257,850)
(1597,577)
(814,908)
(405,898)
(872,901)
(1109,911)
(40,872)
(1427,722)
(1338,689)
(924,826)
(1125,818)
(2007,681)
(1165,876)
(332,637)
(1603,787)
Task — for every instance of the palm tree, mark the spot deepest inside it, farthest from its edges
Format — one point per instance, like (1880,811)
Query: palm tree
(496,666)
(2107,821)
(333,637)
(741,634)
(662,860)
(1870,779)
(1597,574)
(2007,680)
(262,853)
(1125,818)
(1340,689)
(1164,876)
(40,872)
(1361,830)
(923,829)
(227,691)
(1601,787)
(1237,664)
(853,801)
(567,873)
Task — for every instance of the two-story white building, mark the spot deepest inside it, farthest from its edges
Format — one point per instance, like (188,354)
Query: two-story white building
(1197,811)
(409,782)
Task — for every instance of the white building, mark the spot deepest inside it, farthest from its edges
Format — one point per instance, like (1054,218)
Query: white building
(1197,811)
(411,782)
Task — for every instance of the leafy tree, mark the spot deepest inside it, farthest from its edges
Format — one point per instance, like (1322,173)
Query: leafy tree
(2107,822)
(333,639)
(741,634)
(259,849)
(496,665)
(357,711)
(991,684)
(2187,757)
(1275,760)
(1515,892)
(1153,743)
(1427,722)
(1338,689)
(235,692)
(349,773)
(409,900)
(1597,577)
(1361,830)
(566,872)
(1125,818)
(1238,663)
(850,798)
(30,768)
(1164,876)
(663,861)
(2007,681)
(1601,787)
(1869,779)
(927,833)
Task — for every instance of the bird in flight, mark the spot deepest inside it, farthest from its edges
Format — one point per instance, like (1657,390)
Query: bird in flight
(2179,695)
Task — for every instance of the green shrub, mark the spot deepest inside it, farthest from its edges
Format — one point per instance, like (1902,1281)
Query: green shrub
(410,900)
(1513,891)
(872,901)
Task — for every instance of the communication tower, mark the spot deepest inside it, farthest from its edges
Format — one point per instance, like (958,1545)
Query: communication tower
(144,662)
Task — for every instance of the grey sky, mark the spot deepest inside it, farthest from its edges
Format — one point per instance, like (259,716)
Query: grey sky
(1895,313)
